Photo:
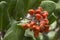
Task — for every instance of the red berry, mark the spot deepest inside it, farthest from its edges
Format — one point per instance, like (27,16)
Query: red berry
(40,8)
(37,28)
(46,28)
(44,14)
(38,11)
(38,16)
(24,26)
(33,27)
(36,34)
(31,11)
(46,21)
(32,23)
(42,28)
(42,23)
(28,25)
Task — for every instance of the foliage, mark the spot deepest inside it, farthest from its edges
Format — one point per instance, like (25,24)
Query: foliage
(12,10)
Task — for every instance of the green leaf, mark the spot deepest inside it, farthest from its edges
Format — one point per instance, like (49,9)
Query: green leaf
(19,9)
(4,20)
(48,6)
(15,8)
(53,25)
(58,5)
(11,8)
(51,35)
(25,4)
(57,35)
(55,0)
(15,32)
(34,3)
(51,19)
(28,38)
(31,4)
(57,11)
(29,33)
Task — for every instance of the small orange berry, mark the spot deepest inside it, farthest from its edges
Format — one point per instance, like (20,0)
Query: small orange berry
(42,29)
(38,11)
(28,25)
(38,16)
(32,23)
(40,8)
(44,14)
(37,28)
(42,23)
(31,11)
(33,27)
(24,26)
(46,28)
(36,34)
(46,21)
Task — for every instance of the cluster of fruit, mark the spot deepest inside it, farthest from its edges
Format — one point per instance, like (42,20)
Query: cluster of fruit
(38,22)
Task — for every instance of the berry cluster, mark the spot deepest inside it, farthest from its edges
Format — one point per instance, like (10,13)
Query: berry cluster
(38,22)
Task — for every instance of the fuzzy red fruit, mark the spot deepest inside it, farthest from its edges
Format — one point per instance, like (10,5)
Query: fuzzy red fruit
(46,21)
(42,29)
(37,28)
(32,23)
(46,28)
(40,8)
(42,23)
(38,16)
(33,27)
(28,25)
(38,11)
(31,11)
(44,14)
(24,26)
(36,34)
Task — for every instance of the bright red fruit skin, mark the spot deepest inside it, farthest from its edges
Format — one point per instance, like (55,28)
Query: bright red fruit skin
(46,21)
(31,11)
(24,26)
(38,21)
(32,23)
(36,34)
(44,14)
(38,11)
(38,16)
(37,28)
(28,25)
